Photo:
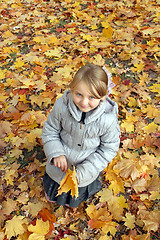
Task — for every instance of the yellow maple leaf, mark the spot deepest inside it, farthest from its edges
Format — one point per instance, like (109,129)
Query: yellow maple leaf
(139,66)
(22,98)
(129,220)
(129,126)
(69,183)
(122,202)
(94,27)
(15,226)
(110,226)
(26,82)
(117,186)
(39,230)
(35,133)
(9,176)
(105,195)
(56,53)
(132,102)
(116,207)
(98,60)
(154,195)
(105,24)
(87,37)
(19,63)
(52,39)
(65,72)
(151,128)
(107,32)
(151,111)
(7,34)
(39,99)
(91,210)
(100,218)
(2,74)
(39,39)
(155,88)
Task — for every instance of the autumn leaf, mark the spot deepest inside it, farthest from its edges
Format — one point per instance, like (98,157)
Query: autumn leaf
(47,216)
(151,128)
(8,206)
(39,230)
(128,167)
(33,208)
(152,220)
(69,183)
(108,32)
(129,220)
(19,63)
(155,88)
(101,220)
(128,126)
(139,185)
(53,53)
(15,226)
(117,186)
(2,74)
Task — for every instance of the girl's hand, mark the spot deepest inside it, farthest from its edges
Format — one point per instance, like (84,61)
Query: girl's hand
(61,162)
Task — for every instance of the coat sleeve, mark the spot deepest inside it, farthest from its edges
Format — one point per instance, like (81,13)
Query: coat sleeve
(51,133)
(90,168)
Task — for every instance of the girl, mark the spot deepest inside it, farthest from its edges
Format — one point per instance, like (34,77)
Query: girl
(81,130)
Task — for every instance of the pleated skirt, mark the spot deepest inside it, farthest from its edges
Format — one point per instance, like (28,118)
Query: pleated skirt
(51,190)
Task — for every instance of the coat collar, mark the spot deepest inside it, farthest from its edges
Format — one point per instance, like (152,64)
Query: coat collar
(105,106)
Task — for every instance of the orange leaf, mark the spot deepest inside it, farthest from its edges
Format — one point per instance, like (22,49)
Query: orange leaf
(46,215)
(69,183)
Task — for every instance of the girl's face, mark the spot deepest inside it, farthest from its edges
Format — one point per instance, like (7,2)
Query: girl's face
(83,98)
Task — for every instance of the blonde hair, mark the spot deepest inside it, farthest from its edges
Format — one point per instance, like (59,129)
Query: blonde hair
(94,77)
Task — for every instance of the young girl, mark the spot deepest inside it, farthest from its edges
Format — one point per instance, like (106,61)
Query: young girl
(81,130)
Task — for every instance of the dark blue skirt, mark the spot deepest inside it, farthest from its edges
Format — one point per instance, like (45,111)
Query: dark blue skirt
(50,188)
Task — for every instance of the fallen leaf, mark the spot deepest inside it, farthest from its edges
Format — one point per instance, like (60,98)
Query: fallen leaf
(15,226)
(129,220)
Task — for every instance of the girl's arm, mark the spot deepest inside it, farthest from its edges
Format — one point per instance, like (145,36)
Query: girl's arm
(50,134)
(90,168)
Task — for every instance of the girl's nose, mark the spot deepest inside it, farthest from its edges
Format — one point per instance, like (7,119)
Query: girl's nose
(84,101)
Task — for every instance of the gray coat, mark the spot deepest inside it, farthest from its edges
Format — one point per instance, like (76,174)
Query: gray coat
(89,146)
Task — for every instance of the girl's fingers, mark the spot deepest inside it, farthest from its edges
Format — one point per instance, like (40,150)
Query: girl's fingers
(64,167)
(61,164)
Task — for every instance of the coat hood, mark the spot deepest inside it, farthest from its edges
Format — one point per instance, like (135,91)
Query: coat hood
(107,106)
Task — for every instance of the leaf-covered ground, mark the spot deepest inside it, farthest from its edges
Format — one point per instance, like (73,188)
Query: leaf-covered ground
(43,43)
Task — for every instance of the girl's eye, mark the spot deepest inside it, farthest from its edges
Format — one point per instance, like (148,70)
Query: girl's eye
(91,97)
(79,95)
